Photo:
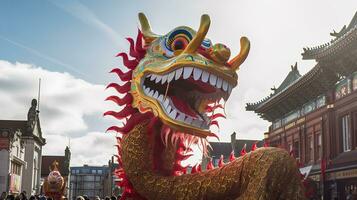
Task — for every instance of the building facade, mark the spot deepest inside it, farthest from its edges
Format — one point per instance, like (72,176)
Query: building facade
(315,115)
(88,180)
(21,144)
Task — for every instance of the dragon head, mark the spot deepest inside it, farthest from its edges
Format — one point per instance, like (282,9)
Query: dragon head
(183,75)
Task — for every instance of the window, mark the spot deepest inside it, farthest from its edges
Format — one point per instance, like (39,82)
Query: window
(341,89)
(321,101)
(15,168)
(296,149)
(319,146)
(100,171)
(354,82)
(310,149)
(94,171)
(346,135)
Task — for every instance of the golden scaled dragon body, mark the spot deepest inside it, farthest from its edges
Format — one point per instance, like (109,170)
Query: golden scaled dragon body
(171,92)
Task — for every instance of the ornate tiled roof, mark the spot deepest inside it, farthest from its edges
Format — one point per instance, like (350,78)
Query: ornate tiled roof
(291,78)
(346,36)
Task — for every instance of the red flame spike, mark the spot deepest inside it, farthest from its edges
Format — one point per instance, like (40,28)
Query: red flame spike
(127,99)
(221,162)
(254,146)
(128,110)
(123,76)
(120,88)
(214,123)
(210,165)
(130,64)
(139,44)
(215,116)
(134,119)
(243,151)
(232,157)
(132,51)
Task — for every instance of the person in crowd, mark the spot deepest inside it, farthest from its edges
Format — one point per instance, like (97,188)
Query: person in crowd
(85,197)
(22,195)
(32,197)
(106,198)
(49,198)
(113,197)
(10,197)
(79,198)
(96,198)
(3,196)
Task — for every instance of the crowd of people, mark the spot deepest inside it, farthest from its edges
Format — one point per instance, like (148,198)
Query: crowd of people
(85,197)
(23,196)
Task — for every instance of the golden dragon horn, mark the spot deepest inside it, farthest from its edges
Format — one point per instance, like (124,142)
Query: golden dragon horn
(244,50)
(200,36)
(149,36)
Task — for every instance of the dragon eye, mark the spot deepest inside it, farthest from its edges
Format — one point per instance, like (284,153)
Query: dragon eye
(179,43)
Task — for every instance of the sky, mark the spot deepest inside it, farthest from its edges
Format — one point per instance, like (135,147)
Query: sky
(71,46)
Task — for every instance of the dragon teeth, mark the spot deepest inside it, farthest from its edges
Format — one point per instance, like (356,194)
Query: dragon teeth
(170,76)
(178,73)
(225,86)
(219,83)
(213,79)
(205,76)
(187,72)
(197,73)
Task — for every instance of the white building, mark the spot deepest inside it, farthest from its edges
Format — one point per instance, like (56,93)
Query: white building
(21,144)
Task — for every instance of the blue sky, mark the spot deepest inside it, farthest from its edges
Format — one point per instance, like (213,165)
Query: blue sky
(71,45)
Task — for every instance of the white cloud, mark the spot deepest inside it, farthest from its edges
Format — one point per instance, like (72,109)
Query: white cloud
(66,106)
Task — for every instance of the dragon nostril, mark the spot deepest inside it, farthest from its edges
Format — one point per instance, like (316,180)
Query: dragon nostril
(220,53)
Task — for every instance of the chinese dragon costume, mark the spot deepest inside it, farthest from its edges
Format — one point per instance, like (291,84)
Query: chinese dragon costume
(170,95)
(54,185)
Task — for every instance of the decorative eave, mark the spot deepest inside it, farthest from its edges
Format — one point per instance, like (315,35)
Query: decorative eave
(346,37)
(309,86)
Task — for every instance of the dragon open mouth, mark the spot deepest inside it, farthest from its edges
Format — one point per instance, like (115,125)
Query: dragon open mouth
(185,94)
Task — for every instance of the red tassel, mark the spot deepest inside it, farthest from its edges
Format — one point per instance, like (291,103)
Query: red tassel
(266,144)
(221,162)
(199,168)
(254,147)
(128,110)
(194,169)
(127,99)
(243,151)
(123,76)
(210,165)
(120,88)
(215,116)
(231,157)
(130,64)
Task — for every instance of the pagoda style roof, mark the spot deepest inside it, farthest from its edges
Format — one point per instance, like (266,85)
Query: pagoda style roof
(347,36)
(335,60)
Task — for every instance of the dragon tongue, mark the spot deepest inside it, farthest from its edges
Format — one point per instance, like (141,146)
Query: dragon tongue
(183,106)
